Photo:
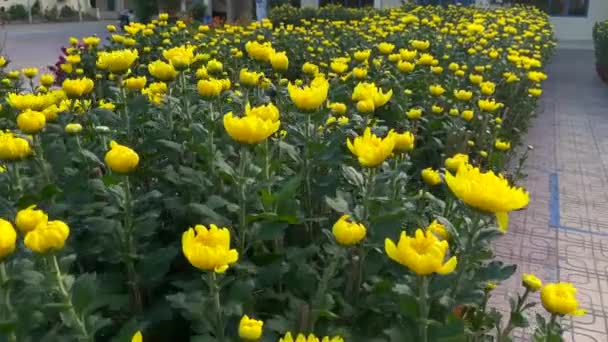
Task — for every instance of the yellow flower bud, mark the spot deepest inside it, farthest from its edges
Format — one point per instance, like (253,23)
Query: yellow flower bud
(531,282)
(279,61)
(121,159)
(8,238)
(250,329)
(135,83)
(431,177)
(210,87)
(456,161)
(347,232)
(31,122)
(27,219)
(47,236)
(30,72)
(414,113)
(73,128)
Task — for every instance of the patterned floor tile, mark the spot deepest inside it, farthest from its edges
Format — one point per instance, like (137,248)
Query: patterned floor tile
(563,235)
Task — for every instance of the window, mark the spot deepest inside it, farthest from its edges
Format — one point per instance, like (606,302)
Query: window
(572,8)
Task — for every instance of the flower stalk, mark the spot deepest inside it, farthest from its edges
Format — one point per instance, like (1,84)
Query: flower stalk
(215,288)
(77,319)
(423,308)
(504,336)
(6,289)
(244,155)
(130,249)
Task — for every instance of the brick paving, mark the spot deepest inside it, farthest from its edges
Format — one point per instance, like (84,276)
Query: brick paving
(563,235)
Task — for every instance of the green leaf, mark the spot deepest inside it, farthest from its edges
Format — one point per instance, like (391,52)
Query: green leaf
(208,214)
(154,266)
(338,204)
(495,271)
(353,176)
(519,320)
(408,305)
(84,291)
(271,230)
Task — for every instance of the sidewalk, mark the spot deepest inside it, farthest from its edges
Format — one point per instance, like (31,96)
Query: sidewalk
(39,45)
(563,235)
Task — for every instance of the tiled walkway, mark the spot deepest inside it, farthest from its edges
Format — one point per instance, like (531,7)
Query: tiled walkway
(563,235)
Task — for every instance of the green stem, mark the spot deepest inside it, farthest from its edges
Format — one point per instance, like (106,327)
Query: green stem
(243,197)
(131,251)
(123,93)
(4,285)
(18,187)
(307,166)
(550,328)
(219,321)
(369,190)
(395,191)
(520,302)
(423,308)
(212,140)
(322,289)
(82,329)
(41,160)
(465,252)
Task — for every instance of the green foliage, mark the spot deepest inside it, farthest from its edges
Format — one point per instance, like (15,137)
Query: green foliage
(600,40)
(289,14)
(17,12)
(67,12)
(145,10)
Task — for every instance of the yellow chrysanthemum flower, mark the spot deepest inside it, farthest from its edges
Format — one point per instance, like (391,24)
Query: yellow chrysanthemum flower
(250,129)
(559,299)
(423,254)
(209,249)
(487,191)
(117,61)
(370,149)
(77,87)
(180,57)
(309,98)
(12,147)
(162,71)
(265,112)
(403,141)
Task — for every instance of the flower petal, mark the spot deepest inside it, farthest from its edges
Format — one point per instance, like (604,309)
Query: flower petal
(449,266)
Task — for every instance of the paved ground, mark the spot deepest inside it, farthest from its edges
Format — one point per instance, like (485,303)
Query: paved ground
(563,235)
(39,44)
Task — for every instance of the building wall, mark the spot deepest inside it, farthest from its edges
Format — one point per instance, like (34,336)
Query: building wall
(46,3)
(580,28)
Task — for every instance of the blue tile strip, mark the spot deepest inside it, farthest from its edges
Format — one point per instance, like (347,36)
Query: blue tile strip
(554,209)
(554,220)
